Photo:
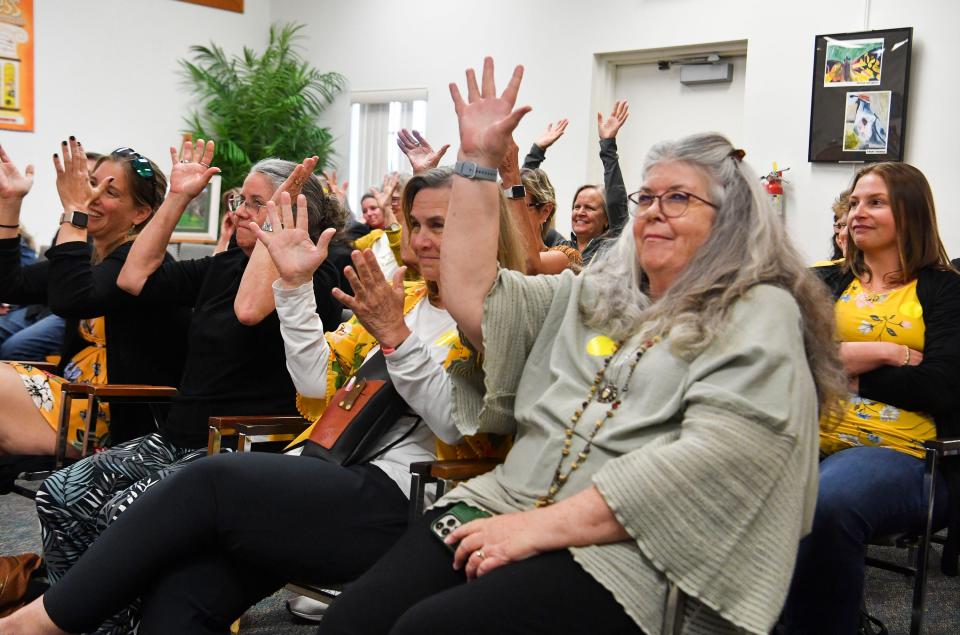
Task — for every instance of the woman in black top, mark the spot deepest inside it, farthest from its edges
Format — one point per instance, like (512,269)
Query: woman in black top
(111,205)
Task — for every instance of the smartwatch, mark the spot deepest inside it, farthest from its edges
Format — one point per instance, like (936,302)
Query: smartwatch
(470,170)
(75,218)
(514,192)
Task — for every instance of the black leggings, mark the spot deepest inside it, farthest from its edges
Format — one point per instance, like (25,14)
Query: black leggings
(226,531)
(413,590)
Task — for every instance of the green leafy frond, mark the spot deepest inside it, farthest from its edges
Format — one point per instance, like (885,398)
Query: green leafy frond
(260,104)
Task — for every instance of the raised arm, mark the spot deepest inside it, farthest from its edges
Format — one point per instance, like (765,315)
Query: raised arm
(295,258)
(188,176)
(14,186)
(616,192)
(538,259)
(468,260)
(538,151)
(254,299)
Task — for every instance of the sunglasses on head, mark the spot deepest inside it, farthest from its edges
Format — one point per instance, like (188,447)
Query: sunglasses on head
(141,165)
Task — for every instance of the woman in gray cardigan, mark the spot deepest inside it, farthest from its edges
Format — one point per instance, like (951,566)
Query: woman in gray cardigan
(664,405)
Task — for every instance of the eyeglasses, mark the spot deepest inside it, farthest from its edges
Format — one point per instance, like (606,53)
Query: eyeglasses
(839,226)
(673,203)
(535,205)
(235,202)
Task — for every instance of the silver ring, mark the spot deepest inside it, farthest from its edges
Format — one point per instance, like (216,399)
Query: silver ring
(479,553)
(184,161)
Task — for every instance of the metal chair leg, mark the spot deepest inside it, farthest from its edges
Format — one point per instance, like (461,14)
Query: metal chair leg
(923,547)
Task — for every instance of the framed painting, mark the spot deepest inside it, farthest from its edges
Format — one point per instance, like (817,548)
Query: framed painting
(858,110)
(200,222)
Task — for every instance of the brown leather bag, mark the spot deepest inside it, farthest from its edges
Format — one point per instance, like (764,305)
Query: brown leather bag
(15,572)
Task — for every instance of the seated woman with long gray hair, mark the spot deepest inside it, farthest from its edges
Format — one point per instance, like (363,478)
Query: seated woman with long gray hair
(664,404)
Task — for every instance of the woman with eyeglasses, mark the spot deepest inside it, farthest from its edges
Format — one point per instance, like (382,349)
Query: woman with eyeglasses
(664,405)
(897,301)
(106,337)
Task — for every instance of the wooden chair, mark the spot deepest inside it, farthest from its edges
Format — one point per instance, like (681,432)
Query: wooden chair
(94,394)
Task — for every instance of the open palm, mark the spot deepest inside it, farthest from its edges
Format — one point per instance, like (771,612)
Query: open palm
(487,121)
(421,154)
(191,172)
(293,252)
(13,184)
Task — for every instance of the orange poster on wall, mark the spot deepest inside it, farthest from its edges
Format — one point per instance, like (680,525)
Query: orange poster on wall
(16,64)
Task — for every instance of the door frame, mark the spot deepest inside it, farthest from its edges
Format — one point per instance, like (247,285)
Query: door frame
(605,71)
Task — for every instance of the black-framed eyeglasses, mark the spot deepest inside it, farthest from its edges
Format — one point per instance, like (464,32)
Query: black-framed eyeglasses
(235,202)
(673,203)
(839,226)
(535,205)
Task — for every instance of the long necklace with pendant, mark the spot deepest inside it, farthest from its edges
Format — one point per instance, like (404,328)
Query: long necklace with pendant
(607,393)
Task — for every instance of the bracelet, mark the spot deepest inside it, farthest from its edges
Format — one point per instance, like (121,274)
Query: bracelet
(10,226)
(906,358)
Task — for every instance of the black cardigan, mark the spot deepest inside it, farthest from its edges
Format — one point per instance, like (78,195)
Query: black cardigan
(143,346)
(933,386)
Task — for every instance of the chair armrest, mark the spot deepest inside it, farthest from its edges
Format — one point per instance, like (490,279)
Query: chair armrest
(45,366)
(228,425)
(273,427)
(944,447)
(106,392)
(454,470)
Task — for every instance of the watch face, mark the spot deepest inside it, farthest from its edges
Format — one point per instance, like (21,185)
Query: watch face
(515,191)
(79,219)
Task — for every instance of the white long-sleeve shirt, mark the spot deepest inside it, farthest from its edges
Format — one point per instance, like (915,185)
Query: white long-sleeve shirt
(415,367)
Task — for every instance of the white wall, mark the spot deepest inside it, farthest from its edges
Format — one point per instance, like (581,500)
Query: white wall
(428,43)
(106,71)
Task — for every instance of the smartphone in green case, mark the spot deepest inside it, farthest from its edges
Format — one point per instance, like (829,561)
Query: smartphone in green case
(459,514)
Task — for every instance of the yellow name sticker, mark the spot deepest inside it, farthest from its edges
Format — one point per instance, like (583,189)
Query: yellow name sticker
(911,309)
(450,338)
(601,346)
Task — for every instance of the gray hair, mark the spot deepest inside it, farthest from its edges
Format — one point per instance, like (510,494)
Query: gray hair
(747,246)
(323,211)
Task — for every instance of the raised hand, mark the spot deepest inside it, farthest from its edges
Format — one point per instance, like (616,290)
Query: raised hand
(293,252)
(610,126)
(377,303)
(487,121)
(73,177)
(384,197)
(191,171)
(294,183)
(340,191)
(551,134)
(421,155)
(13,184)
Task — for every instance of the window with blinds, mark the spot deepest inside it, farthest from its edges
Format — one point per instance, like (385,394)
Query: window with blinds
(375,119)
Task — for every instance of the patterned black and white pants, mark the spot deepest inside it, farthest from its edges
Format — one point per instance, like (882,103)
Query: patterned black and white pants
(77,503)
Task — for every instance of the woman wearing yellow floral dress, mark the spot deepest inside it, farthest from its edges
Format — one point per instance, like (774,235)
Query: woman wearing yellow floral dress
(897,303)
(105,332)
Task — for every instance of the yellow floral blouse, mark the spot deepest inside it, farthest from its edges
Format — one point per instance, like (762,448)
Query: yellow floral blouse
(349,346)
(896,317)
(89,365)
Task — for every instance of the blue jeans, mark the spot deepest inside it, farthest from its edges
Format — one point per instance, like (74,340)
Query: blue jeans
(865,493)
(26,340)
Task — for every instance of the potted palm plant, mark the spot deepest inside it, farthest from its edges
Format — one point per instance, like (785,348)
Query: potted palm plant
(258,105)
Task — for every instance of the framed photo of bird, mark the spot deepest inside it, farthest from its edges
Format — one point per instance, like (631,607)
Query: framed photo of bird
(858,111)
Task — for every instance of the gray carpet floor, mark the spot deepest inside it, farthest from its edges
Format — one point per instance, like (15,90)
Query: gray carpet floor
(888,594)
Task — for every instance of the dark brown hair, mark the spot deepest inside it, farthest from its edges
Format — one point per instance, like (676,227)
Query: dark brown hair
(145,190)
(914,217)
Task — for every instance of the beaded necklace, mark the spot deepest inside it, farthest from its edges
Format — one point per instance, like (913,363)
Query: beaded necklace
(610,394)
